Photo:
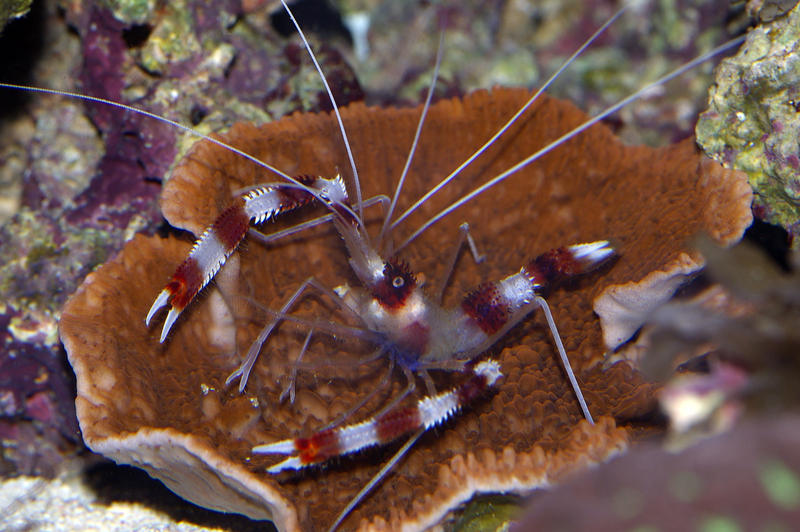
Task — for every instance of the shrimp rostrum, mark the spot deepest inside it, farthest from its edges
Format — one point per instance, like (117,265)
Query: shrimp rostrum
(407,324)
(403,320)
(411,327)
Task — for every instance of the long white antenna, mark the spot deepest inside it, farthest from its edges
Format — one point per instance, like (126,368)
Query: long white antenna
(513,119)
(182,127)
(96,99)
(414,144)
(359,207)
(570,134)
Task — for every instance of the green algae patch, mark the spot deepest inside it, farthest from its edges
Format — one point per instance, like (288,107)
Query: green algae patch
(752,123)
(11,9)
(781,484)
(172,40)
(131,11)
(493,512)
(685,486)
(719,523)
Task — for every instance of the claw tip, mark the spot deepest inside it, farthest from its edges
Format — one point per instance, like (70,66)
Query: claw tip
(171,317)
(160,301)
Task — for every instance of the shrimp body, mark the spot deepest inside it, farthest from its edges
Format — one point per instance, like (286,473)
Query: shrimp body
(424,335)
(408,326)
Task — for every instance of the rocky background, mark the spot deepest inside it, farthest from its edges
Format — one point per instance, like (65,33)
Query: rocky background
(77,179)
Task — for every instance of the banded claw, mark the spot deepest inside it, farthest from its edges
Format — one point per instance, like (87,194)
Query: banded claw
(161,301)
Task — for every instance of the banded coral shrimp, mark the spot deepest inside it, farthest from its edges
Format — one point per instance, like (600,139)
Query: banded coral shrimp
(315,256)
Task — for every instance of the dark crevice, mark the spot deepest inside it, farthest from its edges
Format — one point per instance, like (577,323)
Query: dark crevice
(136,35)
(314,16)
(22,44)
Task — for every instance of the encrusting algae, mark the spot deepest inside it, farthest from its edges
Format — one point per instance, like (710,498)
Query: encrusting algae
(213,88)
(753,120)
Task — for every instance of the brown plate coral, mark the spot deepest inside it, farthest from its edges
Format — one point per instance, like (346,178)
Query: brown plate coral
(165,407)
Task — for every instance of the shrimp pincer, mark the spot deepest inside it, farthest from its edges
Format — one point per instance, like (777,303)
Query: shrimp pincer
(215,245)
(415,330)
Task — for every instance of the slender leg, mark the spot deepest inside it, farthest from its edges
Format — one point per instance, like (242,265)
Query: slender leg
(243,371)
(350,411)
(410,387)
(463,234)
(539,300)
(290,388)
(377,478)
(426,378)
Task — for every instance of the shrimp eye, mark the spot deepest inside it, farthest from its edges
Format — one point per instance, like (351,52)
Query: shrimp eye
(395,285)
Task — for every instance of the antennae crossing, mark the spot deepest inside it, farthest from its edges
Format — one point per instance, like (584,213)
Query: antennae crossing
(511,120)
(359,207)
(413,149)
(565,137)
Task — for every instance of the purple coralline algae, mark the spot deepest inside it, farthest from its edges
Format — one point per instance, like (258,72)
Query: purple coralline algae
(37,414)
(92,173)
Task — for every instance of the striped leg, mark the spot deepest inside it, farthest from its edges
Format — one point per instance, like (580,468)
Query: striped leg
(215,245)
(495,307)
(427,413)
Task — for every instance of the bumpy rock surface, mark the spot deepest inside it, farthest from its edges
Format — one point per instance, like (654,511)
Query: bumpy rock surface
(753,121)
